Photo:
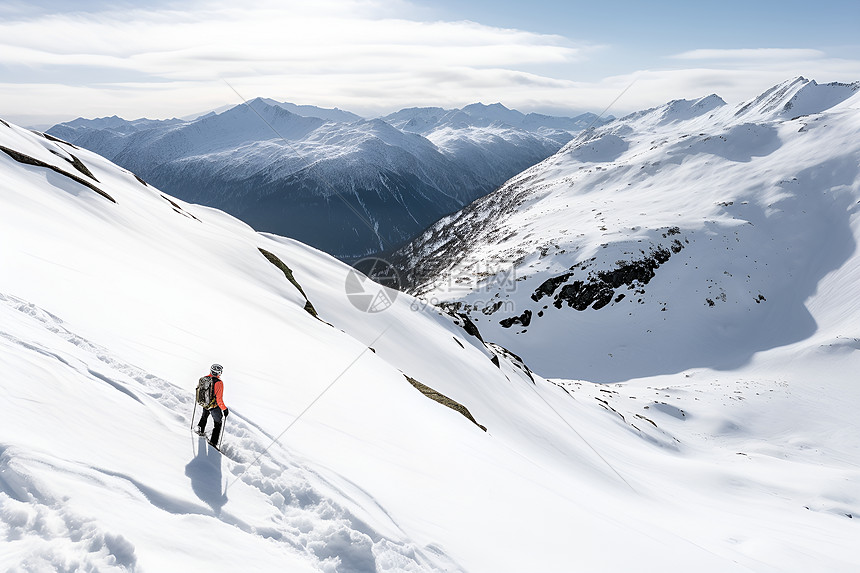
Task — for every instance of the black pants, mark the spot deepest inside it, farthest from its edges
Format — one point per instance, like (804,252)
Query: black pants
(217,419)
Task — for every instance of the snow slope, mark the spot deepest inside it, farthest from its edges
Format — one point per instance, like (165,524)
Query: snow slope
(326,176)
(115,298)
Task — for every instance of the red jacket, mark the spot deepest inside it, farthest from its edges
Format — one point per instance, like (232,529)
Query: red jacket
(219,393)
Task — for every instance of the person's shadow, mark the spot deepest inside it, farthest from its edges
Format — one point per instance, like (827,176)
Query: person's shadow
(205,473)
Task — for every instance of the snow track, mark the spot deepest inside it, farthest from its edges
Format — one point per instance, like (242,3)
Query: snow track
(300,512)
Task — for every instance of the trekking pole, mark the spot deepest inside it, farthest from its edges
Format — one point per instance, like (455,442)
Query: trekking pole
(223,431)
(194,413)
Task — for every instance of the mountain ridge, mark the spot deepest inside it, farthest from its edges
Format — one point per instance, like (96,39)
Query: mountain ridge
(277,170)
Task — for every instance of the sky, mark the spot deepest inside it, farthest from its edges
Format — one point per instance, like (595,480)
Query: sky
(161,59)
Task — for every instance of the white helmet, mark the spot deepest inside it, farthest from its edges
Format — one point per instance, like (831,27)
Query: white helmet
(216,369)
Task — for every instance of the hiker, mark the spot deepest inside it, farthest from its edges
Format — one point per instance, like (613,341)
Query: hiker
(210,395)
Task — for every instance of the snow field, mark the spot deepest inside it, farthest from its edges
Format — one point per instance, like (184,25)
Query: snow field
(279,501)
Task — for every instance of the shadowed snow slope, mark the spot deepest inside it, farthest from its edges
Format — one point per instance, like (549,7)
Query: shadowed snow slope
(115,298)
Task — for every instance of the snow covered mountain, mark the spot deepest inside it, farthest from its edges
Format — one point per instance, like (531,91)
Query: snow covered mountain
(394,440)
(663,235)
(326,176)
(491,140)
(428,120)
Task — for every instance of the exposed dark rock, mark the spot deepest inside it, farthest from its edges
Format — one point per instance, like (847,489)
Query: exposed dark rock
(56,139)
(647,419)
(581,295)
(598,289)
(525,319)
(272,258)
(27,160)
(514,359)
(444,400)
(179,209)
(490,309)
(79,165)
(548,287)
(470,327)
(461,319)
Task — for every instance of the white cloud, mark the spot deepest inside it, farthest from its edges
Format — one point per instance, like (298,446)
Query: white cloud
(363,55)
(293,50)
(734,84)
(751,54)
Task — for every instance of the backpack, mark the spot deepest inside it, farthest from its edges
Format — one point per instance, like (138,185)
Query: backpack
(206,392)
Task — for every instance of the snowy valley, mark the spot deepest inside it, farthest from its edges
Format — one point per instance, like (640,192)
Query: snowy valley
(704,420)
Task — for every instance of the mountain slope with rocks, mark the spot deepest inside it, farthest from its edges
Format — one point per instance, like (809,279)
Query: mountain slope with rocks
(646,243)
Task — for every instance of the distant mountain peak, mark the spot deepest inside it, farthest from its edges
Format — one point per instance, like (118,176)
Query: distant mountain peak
(334,114)
(494,112)
(481,105)
(796,97)
(685,109)
(678,110)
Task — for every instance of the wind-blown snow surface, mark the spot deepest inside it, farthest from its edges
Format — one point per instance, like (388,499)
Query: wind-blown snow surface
(115,298)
